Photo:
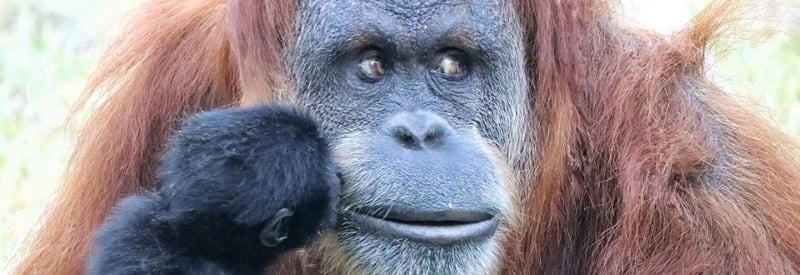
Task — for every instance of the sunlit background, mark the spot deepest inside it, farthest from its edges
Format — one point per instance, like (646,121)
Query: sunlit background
(49,47)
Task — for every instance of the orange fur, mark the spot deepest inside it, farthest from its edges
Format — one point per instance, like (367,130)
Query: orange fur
(641,166)
(645,167)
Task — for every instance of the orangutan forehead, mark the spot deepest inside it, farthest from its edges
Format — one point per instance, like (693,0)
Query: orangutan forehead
(425,6)
(412,12)
(411,8)
(414,20)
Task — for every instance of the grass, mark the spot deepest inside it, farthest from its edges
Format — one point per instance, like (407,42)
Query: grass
(48,48)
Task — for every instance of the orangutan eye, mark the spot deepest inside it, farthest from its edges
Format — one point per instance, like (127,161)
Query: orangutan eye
(371,67)
(452,64)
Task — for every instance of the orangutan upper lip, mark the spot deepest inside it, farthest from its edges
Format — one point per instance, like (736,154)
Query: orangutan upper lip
(438,227)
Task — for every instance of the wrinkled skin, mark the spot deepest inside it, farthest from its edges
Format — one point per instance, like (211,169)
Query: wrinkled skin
(415,43)
(420,104)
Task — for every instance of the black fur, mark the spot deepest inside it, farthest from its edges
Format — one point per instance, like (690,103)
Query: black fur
(223,179)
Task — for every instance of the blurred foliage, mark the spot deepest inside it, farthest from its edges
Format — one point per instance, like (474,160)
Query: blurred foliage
(48,48)
(759,56)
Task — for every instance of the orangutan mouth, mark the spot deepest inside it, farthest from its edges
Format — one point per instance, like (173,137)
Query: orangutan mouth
(439,227)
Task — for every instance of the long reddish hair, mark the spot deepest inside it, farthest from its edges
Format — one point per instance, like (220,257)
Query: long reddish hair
(641,164)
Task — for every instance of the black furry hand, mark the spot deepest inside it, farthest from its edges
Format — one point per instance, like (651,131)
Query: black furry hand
(239,187)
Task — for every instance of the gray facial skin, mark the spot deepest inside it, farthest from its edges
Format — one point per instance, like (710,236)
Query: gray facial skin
(422,103)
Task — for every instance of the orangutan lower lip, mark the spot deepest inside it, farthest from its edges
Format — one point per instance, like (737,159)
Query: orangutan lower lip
(436,227)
